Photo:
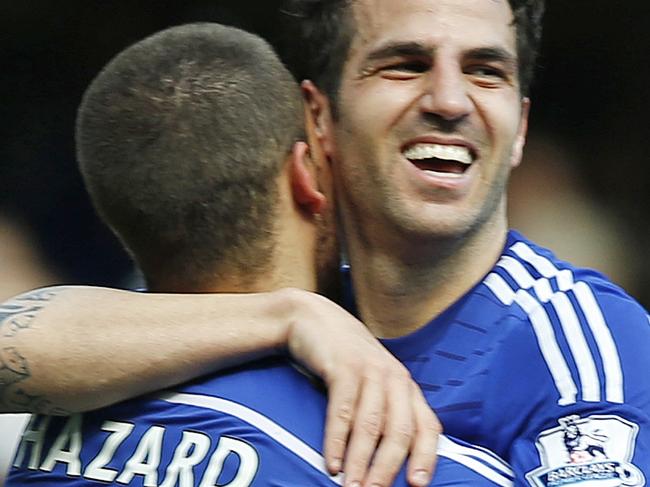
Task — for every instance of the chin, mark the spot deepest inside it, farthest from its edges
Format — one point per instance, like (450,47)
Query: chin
(437,220)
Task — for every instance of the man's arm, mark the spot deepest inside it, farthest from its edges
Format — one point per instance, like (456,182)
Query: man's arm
(71,349)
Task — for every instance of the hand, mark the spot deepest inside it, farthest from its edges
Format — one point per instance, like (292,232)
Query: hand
(377,414)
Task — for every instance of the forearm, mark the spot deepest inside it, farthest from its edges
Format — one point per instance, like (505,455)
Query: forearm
(71,349)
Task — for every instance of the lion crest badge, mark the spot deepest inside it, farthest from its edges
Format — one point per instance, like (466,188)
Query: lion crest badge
(595,451)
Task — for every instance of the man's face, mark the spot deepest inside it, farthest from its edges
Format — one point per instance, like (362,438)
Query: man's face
(430,118)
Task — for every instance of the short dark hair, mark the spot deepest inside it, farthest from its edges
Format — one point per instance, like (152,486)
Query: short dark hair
(326,28)
(528,16)
(180,140)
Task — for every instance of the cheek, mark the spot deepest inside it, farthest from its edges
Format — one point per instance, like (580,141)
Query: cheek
(356,139)
(501,117)
(358,119)
(377,105)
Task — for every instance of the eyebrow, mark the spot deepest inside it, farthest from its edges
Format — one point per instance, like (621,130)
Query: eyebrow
(498,54)
(398,49)
(409,49)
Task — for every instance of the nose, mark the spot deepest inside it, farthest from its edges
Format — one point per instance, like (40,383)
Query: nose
(446,94)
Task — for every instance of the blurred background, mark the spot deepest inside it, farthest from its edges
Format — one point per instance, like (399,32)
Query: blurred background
(582,189)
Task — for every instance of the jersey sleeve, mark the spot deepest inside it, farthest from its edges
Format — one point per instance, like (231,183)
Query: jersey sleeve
(569,398)
(585,446)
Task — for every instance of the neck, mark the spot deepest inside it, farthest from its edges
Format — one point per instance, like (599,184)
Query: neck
(292,262)
(232,280)
(400,286)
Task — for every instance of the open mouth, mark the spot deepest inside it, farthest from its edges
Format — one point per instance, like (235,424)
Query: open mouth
(440,159)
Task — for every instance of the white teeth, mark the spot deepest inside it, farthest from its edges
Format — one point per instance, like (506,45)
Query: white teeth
(438,175)
(447,152)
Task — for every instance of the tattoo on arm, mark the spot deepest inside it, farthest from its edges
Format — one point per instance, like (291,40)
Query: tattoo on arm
(19,313)
(16,316)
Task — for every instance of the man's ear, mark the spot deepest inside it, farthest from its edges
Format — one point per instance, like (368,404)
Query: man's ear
(520,140)
(320,115)
(304,186)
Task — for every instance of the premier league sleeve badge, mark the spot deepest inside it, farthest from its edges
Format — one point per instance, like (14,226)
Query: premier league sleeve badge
(595,451)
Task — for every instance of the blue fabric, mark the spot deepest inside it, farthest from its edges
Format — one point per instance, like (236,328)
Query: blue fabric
(154,429)
(482,368)
(541,363)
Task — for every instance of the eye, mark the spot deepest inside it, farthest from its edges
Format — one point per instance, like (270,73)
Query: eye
(410,66)
(404,69)
(488,76)
(486,71)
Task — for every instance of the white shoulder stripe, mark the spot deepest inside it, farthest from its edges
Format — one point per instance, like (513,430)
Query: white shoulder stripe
(469,457)
(259,421)
(604,340)
(593,314)
(500,288)
(523,278)
(446,444)
(544,266)
(543,331)
(577,341)
(569,322)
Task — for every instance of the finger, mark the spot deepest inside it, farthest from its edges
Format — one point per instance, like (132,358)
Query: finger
(422,461)
(342,400)
(397,436)
(368,425)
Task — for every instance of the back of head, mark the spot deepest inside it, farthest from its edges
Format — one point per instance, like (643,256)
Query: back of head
(180,141)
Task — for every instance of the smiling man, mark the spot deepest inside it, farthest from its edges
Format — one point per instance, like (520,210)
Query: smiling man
(422,107)
(167,115)
(428,122)
(163,111)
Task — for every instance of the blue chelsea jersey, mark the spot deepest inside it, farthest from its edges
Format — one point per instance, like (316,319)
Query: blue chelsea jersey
(546,365)
(258,425)
(540,362)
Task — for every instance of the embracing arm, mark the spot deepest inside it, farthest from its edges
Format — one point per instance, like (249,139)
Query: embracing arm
(68,349)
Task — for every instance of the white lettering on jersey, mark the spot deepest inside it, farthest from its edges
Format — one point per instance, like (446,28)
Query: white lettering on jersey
(66,448)
(35,436)
(180,469)
(95,469)
(146,458)
(248,463)
(260,422)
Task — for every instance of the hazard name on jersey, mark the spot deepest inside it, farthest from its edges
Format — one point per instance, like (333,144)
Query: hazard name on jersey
(125,453)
